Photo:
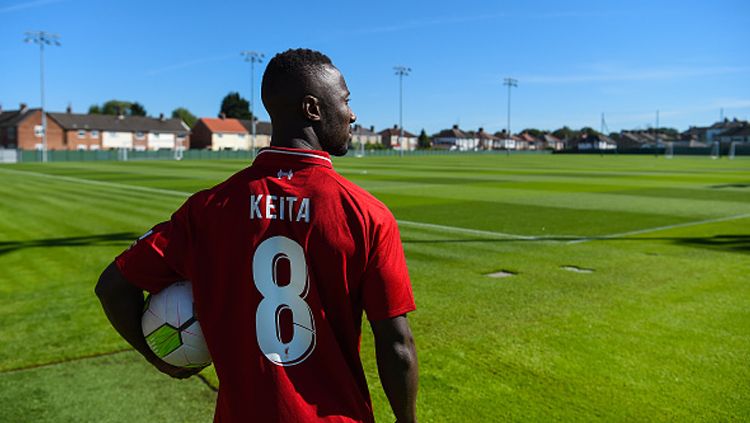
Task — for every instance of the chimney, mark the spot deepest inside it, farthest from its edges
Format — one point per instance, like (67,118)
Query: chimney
(23,107)
(395,126)
(372,128)
(1,107)
(481,129)
(455,126)
(161,117)
(222,115)
(69,109)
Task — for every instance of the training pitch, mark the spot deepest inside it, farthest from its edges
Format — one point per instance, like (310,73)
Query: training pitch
(548,287)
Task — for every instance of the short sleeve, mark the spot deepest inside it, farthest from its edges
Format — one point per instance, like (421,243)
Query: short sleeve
(161,256)
(386,290)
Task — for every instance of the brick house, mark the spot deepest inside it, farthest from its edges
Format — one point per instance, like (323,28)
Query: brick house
(22,129)
(263,132)
(220,134)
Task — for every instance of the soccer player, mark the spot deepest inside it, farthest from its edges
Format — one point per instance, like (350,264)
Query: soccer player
(284,257)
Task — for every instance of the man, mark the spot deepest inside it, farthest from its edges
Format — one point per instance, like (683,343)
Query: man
(284,257)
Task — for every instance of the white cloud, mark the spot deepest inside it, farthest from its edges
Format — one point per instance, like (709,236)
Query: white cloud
(27,5)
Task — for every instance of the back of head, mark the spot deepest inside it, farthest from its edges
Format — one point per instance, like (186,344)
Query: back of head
(289,77)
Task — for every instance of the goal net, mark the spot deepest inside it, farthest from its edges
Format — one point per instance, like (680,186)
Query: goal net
(715,150)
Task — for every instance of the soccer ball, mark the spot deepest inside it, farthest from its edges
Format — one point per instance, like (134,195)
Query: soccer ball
(171,328)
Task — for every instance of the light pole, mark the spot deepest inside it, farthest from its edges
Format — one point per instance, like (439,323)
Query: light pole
(401,71)
(253,57)
(510,82)
(42,38)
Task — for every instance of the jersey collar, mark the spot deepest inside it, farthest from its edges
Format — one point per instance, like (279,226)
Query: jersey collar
(296,155)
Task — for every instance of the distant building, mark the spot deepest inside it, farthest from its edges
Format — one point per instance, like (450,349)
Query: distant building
(455,139)
(220,134)
(736,134)
(594,142)
(487,141)
(263,132)
(551,142)
(390,139)
(365,136)
(22,129)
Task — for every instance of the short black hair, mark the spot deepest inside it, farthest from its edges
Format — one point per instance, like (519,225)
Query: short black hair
(291,70)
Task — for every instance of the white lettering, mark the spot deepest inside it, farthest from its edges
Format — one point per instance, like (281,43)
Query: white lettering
(304,210)
(277,207)
(270,207)
(254,209)
(290,201)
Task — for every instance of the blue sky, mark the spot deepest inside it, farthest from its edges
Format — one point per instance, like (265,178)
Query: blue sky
(574,60)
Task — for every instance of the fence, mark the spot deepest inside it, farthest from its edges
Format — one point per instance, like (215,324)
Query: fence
(12,156)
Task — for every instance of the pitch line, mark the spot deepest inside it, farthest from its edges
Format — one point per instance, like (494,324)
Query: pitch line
(660,228)
(99,183)
(480,232)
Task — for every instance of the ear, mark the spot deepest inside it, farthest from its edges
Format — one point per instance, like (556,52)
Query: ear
(311,108)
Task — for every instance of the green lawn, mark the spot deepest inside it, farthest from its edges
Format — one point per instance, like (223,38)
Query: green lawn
(658,330)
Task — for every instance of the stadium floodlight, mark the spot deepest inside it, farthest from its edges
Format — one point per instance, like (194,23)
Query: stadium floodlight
(510,82)
(253,57)
(401,71)
(43,39)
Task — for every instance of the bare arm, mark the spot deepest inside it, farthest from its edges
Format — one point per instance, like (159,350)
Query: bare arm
(397,365)
(123,305)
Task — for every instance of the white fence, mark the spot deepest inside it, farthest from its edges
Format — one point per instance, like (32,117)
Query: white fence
(8,156)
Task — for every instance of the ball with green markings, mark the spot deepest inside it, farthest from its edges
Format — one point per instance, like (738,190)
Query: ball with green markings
(171,329)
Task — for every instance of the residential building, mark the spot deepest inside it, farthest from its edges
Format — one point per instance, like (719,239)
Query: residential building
(455,139)
(263,132)
(22,129)
(140,133)
(504,142)
(366,136)
(390,139)
(487,141)
(737,134)
(551,142)
(220,134)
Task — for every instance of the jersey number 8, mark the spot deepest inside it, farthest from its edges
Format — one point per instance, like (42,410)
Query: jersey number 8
(275,258)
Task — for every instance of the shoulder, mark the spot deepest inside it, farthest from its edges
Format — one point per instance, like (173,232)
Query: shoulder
(368,202)
(216,195)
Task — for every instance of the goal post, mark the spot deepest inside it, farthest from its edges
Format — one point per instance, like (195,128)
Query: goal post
(732,150)
(715,150)
(669,150)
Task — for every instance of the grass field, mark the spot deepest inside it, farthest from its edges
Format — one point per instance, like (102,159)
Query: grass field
(628,295)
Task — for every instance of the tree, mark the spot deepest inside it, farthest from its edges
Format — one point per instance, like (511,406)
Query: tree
(423,141)
(533,132)
(565,133)
(118,107)
(589,131)
(137,109)
(185,115)
(234,106)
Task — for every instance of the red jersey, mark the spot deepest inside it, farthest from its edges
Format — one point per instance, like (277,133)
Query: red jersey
(284,256)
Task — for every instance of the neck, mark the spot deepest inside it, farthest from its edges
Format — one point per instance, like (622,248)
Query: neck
(303,138)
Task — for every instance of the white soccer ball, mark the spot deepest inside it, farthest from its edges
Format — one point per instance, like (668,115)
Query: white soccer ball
(171,328)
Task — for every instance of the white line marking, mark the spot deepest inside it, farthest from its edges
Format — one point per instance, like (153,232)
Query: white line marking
(99,183)
(575,239)
(492,234)
(660,228)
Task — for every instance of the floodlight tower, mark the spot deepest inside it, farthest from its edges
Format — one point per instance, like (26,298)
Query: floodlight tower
(253,57)
(43,39)
(401,71)
(510,82)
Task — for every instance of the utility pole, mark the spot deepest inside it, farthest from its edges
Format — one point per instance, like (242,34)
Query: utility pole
(510,82)
(401,71)
(43,39)
(253,57)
